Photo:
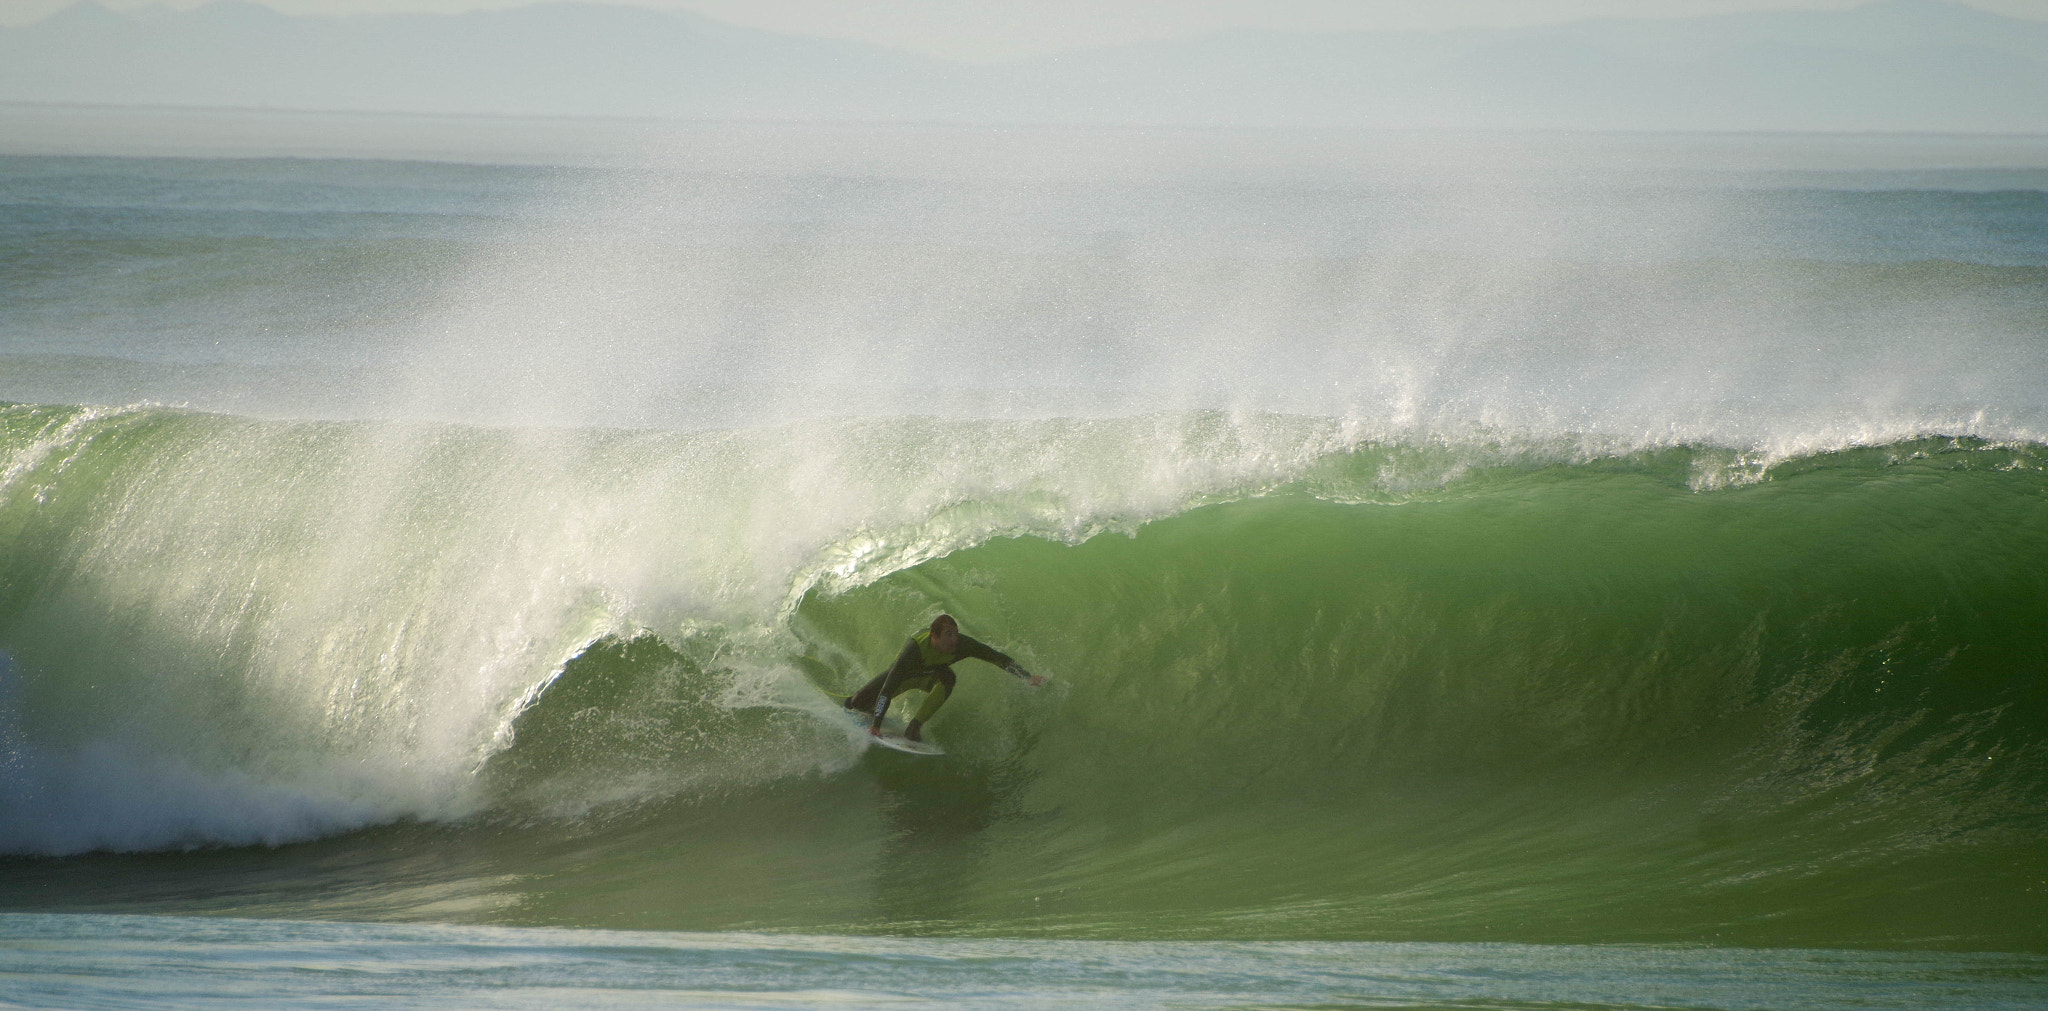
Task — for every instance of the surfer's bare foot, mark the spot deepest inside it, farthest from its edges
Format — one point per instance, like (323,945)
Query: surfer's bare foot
(914,732)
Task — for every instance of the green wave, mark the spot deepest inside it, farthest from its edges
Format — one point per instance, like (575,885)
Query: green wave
(1309,681)
(1572,703)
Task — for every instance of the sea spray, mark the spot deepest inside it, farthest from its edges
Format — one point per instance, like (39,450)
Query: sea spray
(1528,667)
(1468,553)
(349,616)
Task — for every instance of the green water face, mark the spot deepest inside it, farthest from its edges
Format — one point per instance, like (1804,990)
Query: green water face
(1563,705)
(1571,703)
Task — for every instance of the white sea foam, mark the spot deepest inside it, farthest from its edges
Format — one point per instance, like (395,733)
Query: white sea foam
(677,398)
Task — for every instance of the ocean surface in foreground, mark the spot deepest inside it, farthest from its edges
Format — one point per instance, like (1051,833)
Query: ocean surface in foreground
(1468,577)
(176,962)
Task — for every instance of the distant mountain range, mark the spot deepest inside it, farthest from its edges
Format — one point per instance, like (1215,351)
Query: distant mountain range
(1892,65)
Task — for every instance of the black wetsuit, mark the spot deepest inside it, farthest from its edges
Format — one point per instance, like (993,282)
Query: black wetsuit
(924,667)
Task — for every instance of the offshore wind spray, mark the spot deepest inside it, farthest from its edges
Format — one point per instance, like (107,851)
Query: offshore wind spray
(1430,542)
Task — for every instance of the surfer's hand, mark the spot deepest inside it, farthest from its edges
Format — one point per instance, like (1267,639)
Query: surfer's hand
(1036,680)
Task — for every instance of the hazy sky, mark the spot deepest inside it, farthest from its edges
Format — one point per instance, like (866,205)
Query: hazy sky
(963,29)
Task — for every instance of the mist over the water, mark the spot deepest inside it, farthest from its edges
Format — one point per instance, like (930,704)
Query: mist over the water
(526,507)
(1596,285)
(1444,285)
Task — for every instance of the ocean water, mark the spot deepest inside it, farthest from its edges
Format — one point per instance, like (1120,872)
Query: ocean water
(1469,576)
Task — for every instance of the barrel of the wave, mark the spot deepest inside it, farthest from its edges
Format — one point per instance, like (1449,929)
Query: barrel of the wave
(925,664)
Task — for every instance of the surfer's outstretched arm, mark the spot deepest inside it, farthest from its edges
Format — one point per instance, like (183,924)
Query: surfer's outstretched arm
(1017,671)
(970,646)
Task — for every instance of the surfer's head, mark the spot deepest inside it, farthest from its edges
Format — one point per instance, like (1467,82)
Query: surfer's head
(945,633)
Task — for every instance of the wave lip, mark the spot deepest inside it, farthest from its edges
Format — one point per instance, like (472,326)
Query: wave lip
(1474,685)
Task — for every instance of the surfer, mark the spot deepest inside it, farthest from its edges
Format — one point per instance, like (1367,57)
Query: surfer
(926,665)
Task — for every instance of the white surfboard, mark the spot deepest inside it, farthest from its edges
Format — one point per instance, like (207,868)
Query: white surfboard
(891,735)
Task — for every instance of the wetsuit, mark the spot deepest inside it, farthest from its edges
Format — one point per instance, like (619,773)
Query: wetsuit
(923,667)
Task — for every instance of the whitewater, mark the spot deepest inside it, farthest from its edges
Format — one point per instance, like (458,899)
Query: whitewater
(1472,571)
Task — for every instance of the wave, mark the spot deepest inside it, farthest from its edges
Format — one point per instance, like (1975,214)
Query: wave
(1313,678)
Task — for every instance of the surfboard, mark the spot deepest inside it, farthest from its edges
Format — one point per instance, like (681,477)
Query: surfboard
(892,732)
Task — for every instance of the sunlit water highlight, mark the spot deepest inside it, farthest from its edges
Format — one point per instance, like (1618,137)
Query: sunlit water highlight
(173,962)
